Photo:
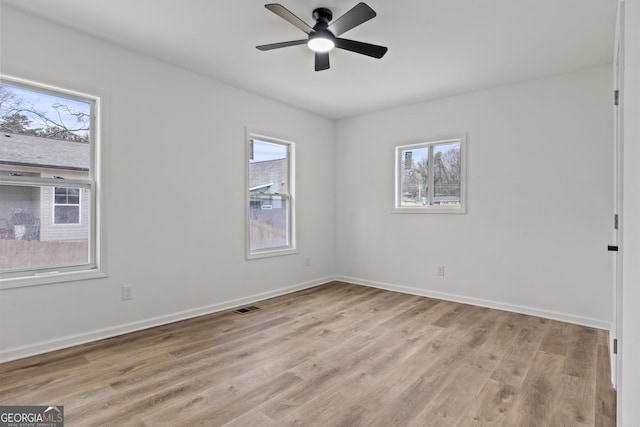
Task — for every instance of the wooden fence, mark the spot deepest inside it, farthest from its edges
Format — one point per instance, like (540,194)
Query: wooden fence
(264,235)
(31,254)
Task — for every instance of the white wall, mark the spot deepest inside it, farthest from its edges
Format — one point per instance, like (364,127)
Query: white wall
(175,185)
(629,396)
(539,215)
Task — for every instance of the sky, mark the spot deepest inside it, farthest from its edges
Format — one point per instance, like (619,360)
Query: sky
(263,151)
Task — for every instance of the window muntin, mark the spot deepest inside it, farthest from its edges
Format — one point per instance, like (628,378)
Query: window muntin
(430,176)
(48,184)
(269,197)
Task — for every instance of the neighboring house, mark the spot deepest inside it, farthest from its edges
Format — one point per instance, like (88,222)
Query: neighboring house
(269,176)
(32,213)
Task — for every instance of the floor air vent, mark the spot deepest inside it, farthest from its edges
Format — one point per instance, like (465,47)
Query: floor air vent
(246,310)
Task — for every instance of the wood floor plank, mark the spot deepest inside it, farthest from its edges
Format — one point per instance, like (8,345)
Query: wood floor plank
(515,364)
(465,384)
(534,402)
(605,407)
(556,339)
(422,376)
(367,373)
(334,355)
(489,409)
(252,418)
(578,380)
(572,405)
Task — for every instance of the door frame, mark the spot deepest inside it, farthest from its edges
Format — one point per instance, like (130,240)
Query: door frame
(618,84)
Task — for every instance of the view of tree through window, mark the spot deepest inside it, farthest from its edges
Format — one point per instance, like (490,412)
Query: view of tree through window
(430,174)
(26,112)
(46,179)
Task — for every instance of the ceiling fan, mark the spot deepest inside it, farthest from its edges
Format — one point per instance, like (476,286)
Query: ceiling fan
(324,36)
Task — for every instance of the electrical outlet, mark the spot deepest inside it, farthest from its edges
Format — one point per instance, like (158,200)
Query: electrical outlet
(307,261)
(441,270)
(127,293)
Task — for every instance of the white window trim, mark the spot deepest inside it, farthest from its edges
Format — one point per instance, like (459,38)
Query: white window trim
(292,248)
(462,208)
(97,266)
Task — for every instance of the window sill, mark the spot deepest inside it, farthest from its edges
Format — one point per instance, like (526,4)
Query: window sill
(430,210)
(50,278)
(271,253)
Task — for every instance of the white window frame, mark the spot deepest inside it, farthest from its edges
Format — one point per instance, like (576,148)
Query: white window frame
(78,205)
(429,207)
(290,197)
(96,265)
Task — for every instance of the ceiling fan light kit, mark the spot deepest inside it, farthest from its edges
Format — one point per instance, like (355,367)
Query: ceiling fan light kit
(321,42)
(323,37)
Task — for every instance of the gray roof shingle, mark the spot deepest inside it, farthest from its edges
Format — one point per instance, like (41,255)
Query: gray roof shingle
(27,150)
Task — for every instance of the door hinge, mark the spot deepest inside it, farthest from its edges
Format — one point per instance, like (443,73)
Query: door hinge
(615,221)
(612,248)
(616,97)
(615,346)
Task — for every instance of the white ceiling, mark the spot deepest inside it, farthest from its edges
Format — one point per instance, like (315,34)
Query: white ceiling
(437,48)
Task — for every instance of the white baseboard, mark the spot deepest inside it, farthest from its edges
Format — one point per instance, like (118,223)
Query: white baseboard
(73,340)
(532,311)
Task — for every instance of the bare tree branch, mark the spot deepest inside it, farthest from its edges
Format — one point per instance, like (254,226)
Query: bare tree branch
(60,122)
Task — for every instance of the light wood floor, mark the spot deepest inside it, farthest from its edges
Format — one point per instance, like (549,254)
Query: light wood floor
(335,355)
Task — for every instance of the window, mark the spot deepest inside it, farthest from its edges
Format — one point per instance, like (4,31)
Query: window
(270,193)
(48,184)
(430,177)
(66,206)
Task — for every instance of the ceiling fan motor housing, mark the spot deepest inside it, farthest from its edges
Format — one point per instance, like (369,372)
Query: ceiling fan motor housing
(322,17)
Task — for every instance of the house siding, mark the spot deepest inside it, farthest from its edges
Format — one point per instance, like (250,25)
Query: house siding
(51,231)
(273,172)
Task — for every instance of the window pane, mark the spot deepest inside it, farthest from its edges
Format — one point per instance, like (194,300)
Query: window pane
(415,176)
(446,174)
(269,181)
(42,114)
(268,168)
(29,238)
(61,196)
(67,214)
(73,197)
(268,222)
